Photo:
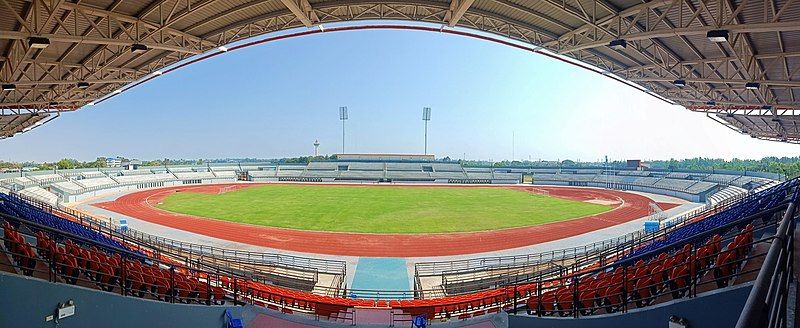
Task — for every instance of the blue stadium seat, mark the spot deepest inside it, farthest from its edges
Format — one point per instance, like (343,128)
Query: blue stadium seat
(233,322)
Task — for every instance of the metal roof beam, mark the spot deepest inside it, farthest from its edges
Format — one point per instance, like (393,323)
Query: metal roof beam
(717,60)
(71,82)
(12,35)
(234,10)
(688,31)
(793,84)
(65,65)
(302,10)
(134,20)
(457,10)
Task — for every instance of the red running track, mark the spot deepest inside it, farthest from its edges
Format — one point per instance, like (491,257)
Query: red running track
(631,207)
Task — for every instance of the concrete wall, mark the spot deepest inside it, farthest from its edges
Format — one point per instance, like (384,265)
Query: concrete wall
(26,302)
(715,309)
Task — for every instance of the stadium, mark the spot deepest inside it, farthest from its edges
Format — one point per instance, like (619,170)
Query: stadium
(401,239)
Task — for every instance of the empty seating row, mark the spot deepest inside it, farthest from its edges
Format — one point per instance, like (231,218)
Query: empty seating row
(194,175)
(262,173)
(636,173)
(40,194)
(181,169)
(327,166)
(564,177)
(678,175)
(92,174)
(18,208)
(479,175)
(224,168)
(361,175)
(96,183)
(68,186)
(108,271)
(408,175)
(47,178)
(507,176)
(404,166)
(448,175)
(754,204)
(320,174)
(725,193)
(144,178)
(225,174)
(23,182)
(135,172)
(644,281)
(721,178)
(138,278)
(289,173)
(447,167)
(701,186)
(359,166)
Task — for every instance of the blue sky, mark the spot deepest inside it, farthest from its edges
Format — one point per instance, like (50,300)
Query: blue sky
(275,99)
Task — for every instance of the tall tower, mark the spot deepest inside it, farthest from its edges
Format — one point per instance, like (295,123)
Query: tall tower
(316,148)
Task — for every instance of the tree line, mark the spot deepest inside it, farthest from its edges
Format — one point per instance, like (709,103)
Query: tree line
(788,166)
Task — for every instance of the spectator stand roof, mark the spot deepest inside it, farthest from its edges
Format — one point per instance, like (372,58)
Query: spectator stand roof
(98,48)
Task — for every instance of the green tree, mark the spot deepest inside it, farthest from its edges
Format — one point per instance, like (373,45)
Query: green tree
(67,163)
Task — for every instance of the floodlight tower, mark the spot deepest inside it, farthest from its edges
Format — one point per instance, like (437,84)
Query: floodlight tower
(343,117)
(426,117)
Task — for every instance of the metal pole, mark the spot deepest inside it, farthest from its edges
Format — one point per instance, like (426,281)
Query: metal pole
(342,136)
(426,137)
(426,116)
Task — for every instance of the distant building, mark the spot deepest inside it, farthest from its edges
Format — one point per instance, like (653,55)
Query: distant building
(132,164)
(637,164)
(113,161)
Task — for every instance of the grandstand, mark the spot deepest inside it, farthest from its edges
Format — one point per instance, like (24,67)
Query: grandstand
(40,194)
(720,249)
(73,185)
(693,186)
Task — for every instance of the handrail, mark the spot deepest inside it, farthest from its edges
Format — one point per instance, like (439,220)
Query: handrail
(766,304)
(624,241)
(199,250)
(621,252)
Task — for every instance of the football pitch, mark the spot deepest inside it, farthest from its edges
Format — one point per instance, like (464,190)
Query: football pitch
(380,209)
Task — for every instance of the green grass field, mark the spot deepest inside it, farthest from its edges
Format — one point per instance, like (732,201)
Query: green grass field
(380,209)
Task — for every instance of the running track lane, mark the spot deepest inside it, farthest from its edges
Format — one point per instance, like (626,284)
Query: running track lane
(632,207)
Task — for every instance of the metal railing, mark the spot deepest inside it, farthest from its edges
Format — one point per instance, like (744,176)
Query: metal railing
(595,250)
(767,303)
(564,296)
(51,264)
(193,250)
